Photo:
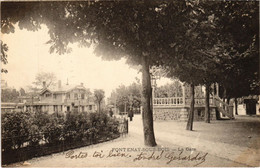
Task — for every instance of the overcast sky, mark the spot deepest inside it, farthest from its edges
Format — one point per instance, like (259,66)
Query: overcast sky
(28,54)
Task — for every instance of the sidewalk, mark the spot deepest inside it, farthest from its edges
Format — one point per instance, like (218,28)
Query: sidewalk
(169,136)
(239,146)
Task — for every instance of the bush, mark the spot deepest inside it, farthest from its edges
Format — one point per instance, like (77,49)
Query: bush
(75,126)
(15,129)
(35,135)
(37,121)
(53,130)
(20,128)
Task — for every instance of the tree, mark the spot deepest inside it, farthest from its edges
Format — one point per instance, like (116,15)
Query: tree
(135,92)
(139,38)
(9,95)
(126,97)
(121,94)
(99,96)
(213,52)
(143,37)
(22,92)
(136,30)
(237,49)
(45,78)
(170,90)
(192,67)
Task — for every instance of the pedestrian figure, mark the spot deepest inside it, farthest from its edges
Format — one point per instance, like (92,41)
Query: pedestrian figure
(111,113)
(131,114)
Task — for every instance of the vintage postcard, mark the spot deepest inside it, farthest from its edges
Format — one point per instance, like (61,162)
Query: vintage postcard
(123,83)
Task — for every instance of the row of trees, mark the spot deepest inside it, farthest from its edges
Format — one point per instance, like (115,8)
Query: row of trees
(126,97)
(11,95)
(198,42)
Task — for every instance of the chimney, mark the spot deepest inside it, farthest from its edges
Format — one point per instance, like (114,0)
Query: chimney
(44,84)
(81,84)
(59,84)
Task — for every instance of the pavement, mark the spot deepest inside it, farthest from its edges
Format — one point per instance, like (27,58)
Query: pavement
(225,143)
(235,140)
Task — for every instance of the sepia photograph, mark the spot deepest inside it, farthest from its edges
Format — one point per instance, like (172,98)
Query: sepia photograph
(130,83)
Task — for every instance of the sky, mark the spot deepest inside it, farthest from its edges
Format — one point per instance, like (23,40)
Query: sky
(28,55)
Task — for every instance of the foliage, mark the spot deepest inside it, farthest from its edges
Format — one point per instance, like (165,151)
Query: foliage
(99,96)
(21,127)
(238,47)
(22,92)
(9,95)
(48,77)
(4,49)
(169,90)
(15,129)
(126,95)
(53,130)
(174,89)
(192,38)
(76,126)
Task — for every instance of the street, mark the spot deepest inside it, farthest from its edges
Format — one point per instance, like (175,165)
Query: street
(206,145)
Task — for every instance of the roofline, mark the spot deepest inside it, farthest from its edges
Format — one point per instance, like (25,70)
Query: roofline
(63,91)
(46,89)
(76,87)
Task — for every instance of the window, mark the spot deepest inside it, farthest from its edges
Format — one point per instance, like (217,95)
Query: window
(68,95)
(47,95)
(55,108)
(90,107)
(54,96)
(82,96)
(75,96)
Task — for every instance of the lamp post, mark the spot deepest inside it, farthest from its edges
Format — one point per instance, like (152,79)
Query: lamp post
(131,113)
(153,81)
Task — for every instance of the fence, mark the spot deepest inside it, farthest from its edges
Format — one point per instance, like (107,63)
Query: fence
(123,126)
(171,101)
(178,102)
(27,150)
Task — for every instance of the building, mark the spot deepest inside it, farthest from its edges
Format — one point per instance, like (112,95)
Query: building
(11,107)
(177,108)
(248,105)
(63,99)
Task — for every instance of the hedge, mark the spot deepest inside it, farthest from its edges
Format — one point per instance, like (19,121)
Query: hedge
(31,133)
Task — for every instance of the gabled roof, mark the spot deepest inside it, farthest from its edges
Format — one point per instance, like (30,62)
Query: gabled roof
(63,89)
(44,90)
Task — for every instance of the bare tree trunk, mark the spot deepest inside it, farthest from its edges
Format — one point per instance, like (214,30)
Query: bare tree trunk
(228,100)
(236,106)
(207,109)
(99,106)
(191,113)
(148,129)
(224,99)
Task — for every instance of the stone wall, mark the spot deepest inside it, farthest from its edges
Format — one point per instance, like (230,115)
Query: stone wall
(166,114)
(181,113)
(199,113)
